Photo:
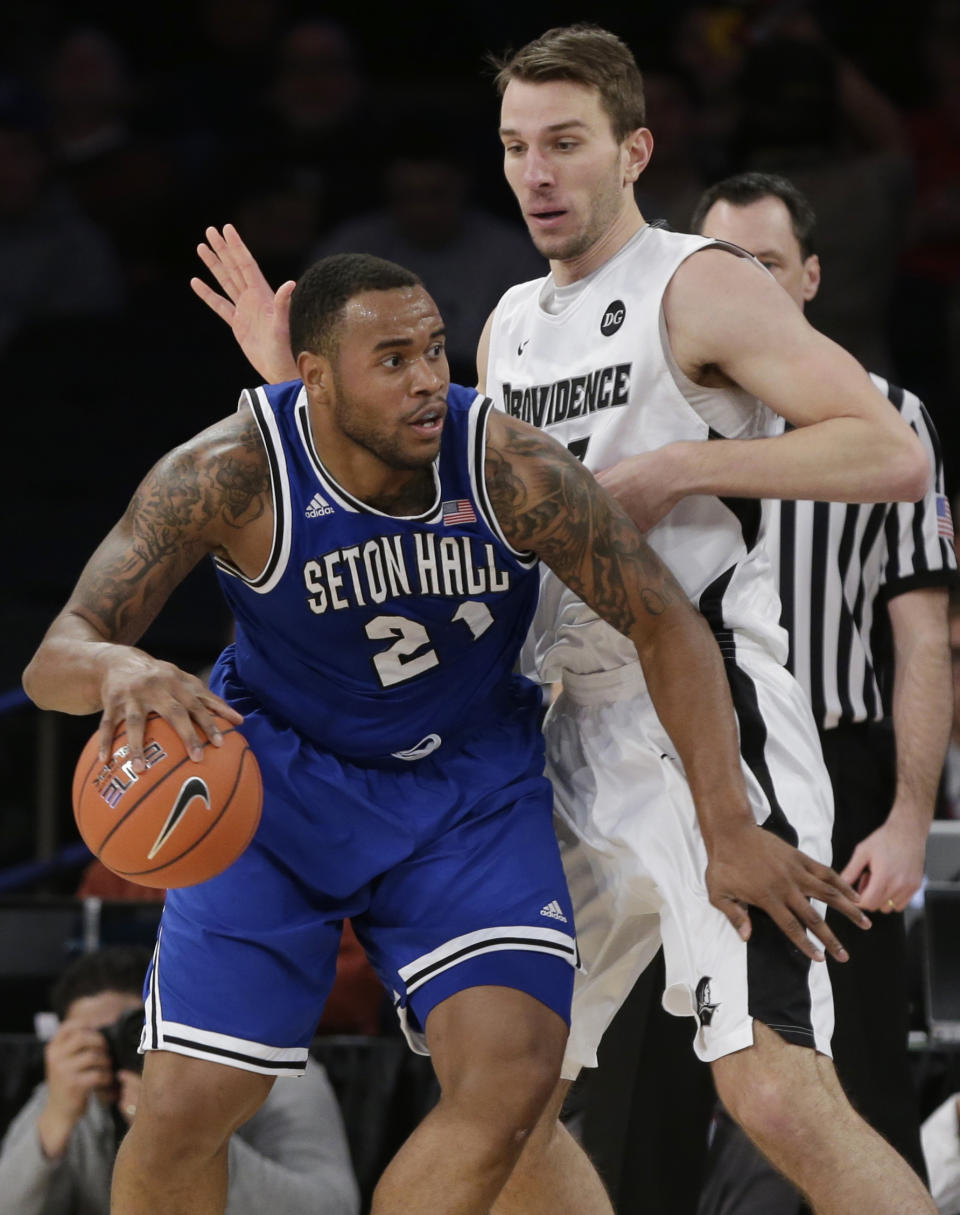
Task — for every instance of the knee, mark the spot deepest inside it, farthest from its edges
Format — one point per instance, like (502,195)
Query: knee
(506,1094)
(184,1113)
(763,1107)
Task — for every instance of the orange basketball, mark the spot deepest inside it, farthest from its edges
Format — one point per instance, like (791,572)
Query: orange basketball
(177,823)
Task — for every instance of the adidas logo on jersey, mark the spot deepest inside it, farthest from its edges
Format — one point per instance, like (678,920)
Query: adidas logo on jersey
(318,506)
(554,911)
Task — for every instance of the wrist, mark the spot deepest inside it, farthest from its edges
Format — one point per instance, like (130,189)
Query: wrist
(54,1128)
(723,823)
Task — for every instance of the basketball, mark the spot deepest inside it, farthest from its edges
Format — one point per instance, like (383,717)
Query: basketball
(176,823)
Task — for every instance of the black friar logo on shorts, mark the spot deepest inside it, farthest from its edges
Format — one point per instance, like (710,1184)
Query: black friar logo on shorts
(612,318)
(705,1009)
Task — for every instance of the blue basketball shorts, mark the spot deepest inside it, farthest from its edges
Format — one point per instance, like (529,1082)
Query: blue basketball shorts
(447,866)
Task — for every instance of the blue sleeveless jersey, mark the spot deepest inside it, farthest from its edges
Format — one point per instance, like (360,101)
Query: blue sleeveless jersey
(377,636)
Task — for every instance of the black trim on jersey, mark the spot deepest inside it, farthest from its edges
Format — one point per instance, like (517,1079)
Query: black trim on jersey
(947,578)
(526,557)
(748,511)
(777,972)
(537,944)
(154,997)
(330,483)
(279,1065)
(281,522)
(788,558)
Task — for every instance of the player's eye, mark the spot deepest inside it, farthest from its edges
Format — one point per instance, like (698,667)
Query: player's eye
(437,350)
(393,360)
(566,145)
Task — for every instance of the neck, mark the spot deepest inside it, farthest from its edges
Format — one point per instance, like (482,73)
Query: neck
(397,491)
(627,224)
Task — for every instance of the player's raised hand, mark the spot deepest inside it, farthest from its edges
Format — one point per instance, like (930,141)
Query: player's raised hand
(258,316)
(754,867)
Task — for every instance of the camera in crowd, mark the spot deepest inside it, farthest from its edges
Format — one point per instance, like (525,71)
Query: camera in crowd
(123,1038)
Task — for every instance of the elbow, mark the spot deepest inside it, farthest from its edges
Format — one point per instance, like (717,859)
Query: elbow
(908,473)
(31,683)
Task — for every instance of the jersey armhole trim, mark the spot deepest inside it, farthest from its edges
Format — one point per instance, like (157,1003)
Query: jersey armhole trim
(276,562)
(479,416)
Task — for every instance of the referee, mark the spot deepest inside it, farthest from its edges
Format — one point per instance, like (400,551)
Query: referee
(864,594)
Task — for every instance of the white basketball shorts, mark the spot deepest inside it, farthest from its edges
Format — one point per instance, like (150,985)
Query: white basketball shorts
(635,859)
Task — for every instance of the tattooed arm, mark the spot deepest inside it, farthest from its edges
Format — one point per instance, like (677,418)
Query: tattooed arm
(547,502)
(210,495)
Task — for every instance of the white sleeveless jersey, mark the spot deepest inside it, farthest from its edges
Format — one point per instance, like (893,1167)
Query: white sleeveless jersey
(600,377)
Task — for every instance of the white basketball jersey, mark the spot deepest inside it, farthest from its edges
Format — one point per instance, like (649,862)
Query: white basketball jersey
(597,373)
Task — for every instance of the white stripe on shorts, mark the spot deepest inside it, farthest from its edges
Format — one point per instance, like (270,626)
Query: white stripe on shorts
(486,940)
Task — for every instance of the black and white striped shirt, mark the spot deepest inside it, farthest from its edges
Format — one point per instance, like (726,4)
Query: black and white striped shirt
(837,564)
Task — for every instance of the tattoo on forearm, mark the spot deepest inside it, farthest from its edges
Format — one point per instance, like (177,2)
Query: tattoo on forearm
(164,530)
(560,512)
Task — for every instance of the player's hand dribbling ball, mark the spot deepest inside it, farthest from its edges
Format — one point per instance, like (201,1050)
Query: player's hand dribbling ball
(176,823)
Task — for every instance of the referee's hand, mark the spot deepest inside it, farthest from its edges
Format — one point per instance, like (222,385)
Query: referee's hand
(751,867)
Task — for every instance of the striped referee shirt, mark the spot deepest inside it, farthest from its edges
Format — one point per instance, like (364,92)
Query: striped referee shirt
(837,564)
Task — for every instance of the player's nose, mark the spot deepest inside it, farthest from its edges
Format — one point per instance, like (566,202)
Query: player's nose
(537,170)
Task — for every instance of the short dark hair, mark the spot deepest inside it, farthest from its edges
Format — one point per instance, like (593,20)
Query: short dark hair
(585,54)
(745,188)
(322,293)
(115,968)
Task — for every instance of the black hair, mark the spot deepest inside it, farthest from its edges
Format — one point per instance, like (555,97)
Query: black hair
(115,968)
(322,293)
(745,188)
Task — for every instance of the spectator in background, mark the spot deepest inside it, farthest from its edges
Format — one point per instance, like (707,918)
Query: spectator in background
(466,257)
(54,263)
(57,1156)
(671,184)
(951,767)
(926,330)
(123,174)
(810,114)
(941,1148)
(313,128)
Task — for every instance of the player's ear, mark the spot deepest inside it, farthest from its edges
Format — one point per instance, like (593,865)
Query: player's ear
(636,150)
(811,277)
(316,373)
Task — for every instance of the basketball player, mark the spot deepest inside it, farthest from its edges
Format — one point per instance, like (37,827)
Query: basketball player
(638,346)
(381,586)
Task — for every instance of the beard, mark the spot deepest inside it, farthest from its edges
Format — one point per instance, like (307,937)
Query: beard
(386,446)
(604,207)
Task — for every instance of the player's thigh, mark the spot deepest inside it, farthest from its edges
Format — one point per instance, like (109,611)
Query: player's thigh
(483,903)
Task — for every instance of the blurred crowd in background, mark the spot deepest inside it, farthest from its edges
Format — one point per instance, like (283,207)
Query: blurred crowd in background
(314,129)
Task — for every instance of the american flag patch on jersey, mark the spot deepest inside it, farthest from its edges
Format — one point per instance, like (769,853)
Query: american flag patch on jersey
(944,518)
(461,511)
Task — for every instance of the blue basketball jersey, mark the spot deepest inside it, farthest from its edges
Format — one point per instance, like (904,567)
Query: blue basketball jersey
(375,635)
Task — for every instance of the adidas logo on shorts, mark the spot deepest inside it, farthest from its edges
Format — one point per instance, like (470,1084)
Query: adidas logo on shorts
(554,911)
(318,506)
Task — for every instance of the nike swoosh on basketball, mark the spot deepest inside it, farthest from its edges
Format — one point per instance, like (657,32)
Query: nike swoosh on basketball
(192,787)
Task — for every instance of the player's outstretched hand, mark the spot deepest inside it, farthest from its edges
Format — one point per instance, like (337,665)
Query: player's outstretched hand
(258,316)
(753,867)
(134,685)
